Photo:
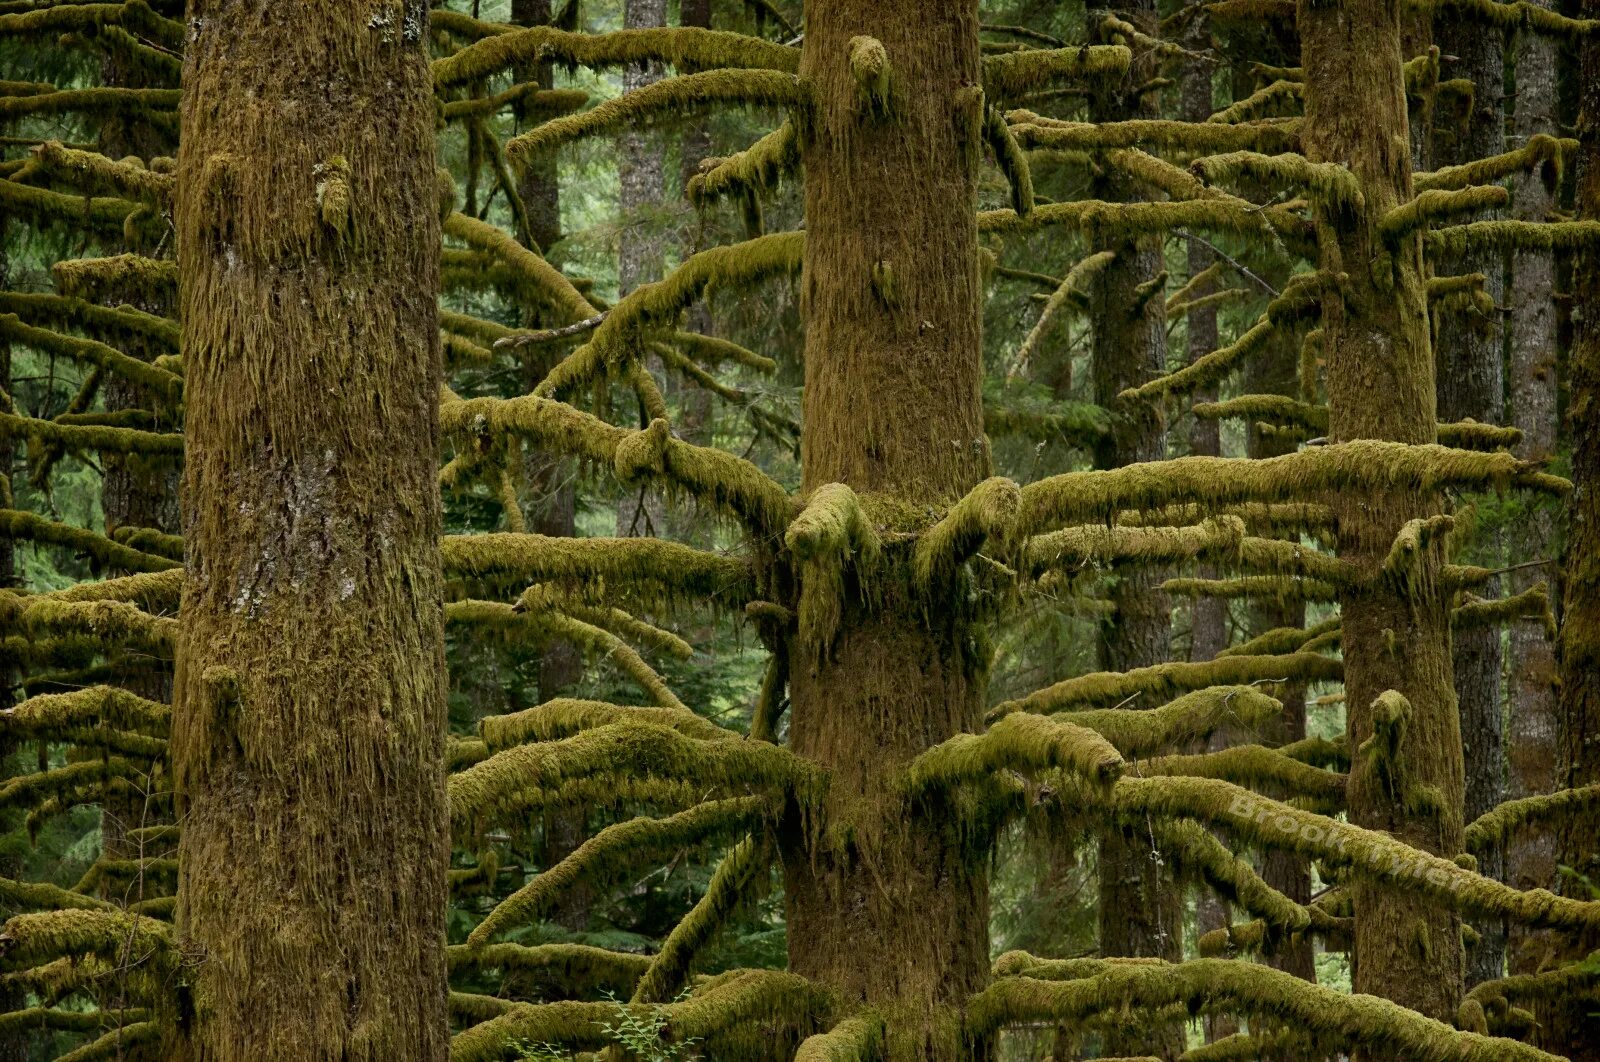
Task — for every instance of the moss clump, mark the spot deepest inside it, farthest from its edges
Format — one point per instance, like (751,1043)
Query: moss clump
(852,1040)
(1013,74)
(1026,743)
(757,170)
(985,513)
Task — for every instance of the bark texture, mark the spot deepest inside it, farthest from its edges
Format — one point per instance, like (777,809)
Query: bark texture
(1380,383)
(309,713)
(1141,906)
(1567,1024)
(886,905)
(1468,351)
(1531,740)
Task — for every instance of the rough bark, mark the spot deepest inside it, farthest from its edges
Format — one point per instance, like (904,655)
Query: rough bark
(309,714)
(642,177)
(886,905)
(1141,907)
(1469,355)
(1277,372)
(1531,741)
(1380,383)
(1567,1024)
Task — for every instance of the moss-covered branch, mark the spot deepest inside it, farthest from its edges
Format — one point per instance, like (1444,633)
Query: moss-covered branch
(677,96)
(1500,822)
(730,884)
(682,47)
(1541,149)
(711,476)
(167,385)
(93,173)
(1105,688)
(985,513)
(852,1040)
(1363,464)
(1428,207)
(616,851)
(590,564)
(1034,131)
(577,968)
(510,781)
(103,551)
(757,170)
(1021,742)
(1074,291)
(1013,74)
(557,290)
(1225,985)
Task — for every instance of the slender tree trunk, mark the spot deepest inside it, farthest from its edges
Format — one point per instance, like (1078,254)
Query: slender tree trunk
(1469,354)
(1531,754)
(642,176)
(13,1041)
(137,490)
(886,905)
(1277,372)
(1141,907)
(309,720)
(1568,1025)
(1380,381)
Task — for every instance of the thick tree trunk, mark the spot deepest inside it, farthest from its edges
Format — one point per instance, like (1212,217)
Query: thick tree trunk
(1568,1025)
(1531,753)
(1141,907)
(886,905)
(1469,353)
(309,720)
(1380,381)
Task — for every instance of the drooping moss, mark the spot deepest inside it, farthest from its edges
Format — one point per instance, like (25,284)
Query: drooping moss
(1254,767)
(1013,74)
(93,173)
(562,717)
(556,289)
(167,385)
(756,170)
(1328,183)
(1501,822)
(90,437)
(19,524)
(1034,131)
(1138,732)
(1541,149)
(1429,207)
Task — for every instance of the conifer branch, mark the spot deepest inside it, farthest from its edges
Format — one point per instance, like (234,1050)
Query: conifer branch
(757,170)
(1211,679)
(685,48)
(852,1040)
(733,879)
(1013,74)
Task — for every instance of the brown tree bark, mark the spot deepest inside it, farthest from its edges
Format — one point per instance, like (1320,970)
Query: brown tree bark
(1567,1025)
(1380,383)
(1141,906)
(887,906)
(1531,741)
(309,717)
(1469,355)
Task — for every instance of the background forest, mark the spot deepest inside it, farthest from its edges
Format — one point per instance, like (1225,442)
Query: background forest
(1201,231)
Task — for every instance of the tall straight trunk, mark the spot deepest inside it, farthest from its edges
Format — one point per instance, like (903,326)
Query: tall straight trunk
(1568,1025)
(1277,372)
(13,1041)
(1380,382)
(1531,742)
(137,490)
(1141,907)
(309,719)
(1469,355)
(642,177)
(886,905)
(1208,616)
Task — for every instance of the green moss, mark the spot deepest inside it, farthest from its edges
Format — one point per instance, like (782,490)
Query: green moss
(746,863)
(1540,150)
(167,385)
(1021,742)
(1177,677)
(103,551)
(1073,291)
(1035,131)
(1498,824)
(672,97)
(1010,158)
(1429,207)
(556,290)
(1330,184)
(509,781)
(1228,986)
(758,169)
(682,47)
(1013,74)
(1362,464)
(616,852)
(852,1040)
(93,173)
(984,514)
(1255,767)
(579,969)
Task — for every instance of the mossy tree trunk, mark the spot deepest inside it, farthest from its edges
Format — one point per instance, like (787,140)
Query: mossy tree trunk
(1469,355)
(1567,1024)
(887,904)
(1531,737)
(309,713)
(1380,383)
(1277,372)
(1141,906)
